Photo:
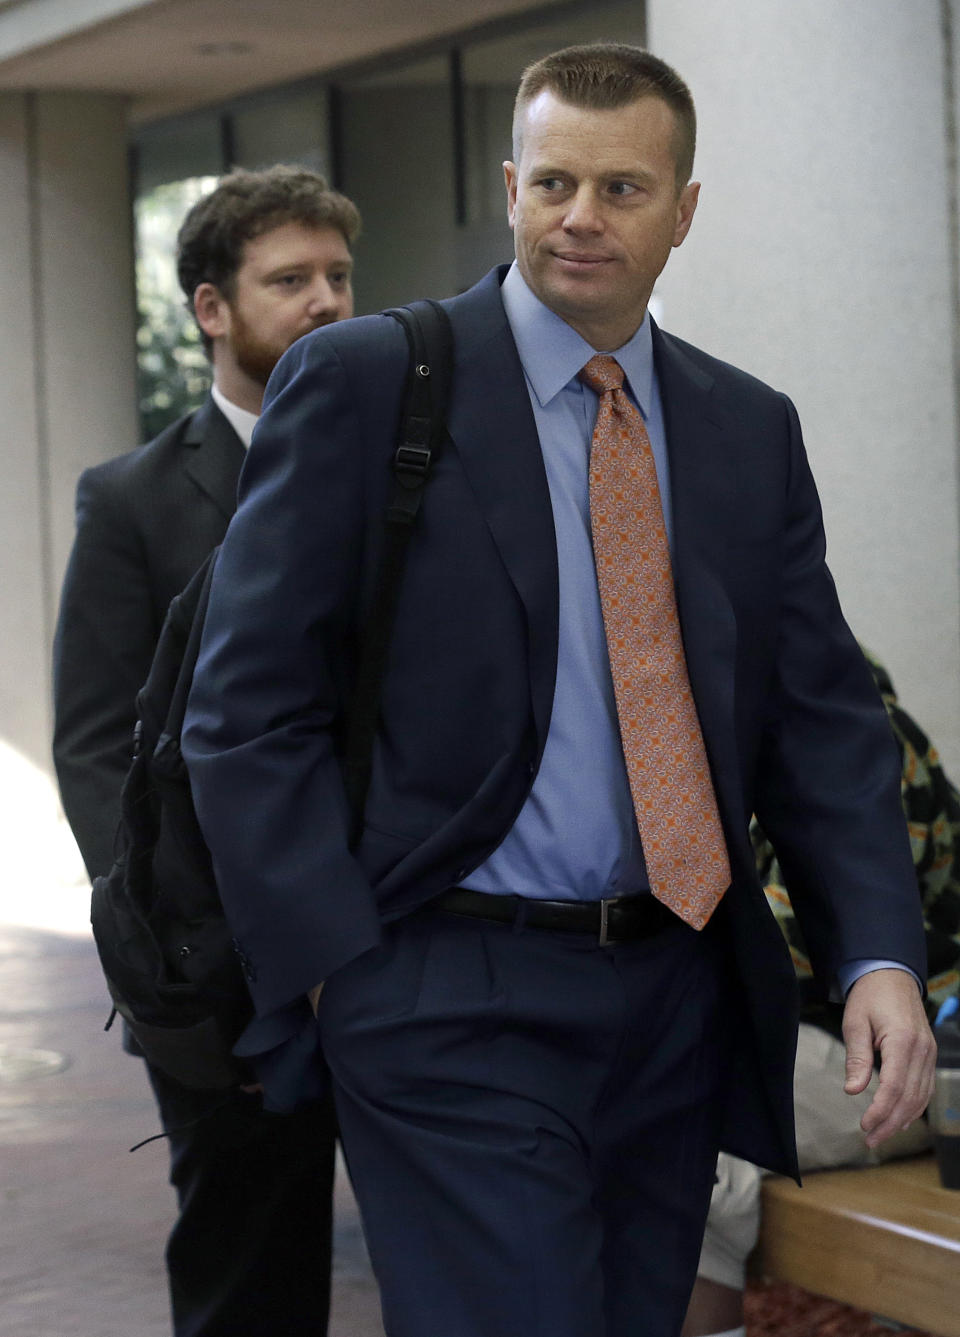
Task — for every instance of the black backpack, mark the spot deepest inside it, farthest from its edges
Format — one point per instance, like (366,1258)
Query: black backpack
(171,965)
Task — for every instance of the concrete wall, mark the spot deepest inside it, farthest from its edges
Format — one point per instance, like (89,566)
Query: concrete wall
(403,187)
(23,510)
(67,372)
(821,259)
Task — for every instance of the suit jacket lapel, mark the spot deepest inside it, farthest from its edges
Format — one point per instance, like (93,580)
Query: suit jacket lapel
(493,431)
(213,456)
(703,487)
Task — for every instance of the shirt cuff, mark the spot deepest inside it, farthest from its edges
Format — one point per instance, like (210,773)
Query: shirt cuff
(850,972)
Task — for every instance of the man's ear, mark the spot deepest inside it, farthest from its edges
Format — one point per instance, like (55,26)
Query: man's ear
(510,177)
(686,208)
(211,310)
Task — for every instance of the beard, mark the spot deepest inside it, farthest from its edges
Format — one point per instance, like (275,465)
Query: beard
(257,357)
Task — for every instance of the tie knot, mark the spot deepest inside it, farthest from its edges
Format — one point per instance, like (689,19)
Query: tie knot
(602,373)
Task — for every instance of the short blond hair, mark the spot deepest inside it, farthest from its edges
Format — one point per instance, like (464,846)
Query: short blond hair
(604,76)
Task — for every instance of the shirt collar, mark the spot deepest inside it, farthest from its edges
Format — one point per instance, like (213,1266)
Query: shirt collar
(552,352)
(241,420)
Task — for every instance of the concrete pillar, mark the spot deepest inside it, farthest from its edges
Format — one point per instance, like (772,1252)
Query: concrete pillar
(67,383)
(822,259)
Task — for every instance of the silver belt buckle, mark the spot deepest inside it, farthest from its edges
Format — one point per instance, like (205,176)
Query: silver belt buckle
(603,940)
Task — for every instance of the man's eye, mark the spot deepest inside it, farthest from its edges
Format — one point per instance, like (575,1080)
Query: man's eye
(340,279)
(622,188)
(551,183)
(290,280)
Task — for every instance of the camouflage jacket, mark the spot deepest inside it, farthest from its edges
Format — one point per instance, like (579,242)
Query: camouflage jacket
(932,808)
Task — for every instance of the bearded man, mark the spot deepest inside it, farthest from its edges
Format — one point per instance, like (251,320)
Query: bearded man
(262,259)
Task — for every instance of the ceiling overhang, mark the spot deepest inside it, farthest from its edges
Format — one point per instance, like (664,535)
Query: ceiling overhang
(171,56)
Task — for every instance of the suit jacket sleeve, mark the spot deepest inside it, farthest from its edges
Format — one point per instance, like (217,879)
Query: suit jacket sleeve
(105,637)
(274,672)
(828,773)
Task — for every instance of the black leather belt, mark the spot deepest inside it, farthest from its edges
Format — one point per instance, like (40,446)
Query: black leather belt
(621,920)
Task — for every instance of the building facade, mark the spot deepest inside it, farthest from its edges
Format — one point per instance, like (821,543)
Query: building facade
(824,255)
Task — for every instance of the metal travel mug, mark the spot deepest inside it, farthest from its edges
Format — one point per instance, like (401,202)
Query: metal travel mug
(944,1110)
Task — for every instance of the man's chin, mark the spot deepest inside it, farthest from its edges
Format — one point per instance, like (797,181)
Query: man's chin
(259,369)
(572,300)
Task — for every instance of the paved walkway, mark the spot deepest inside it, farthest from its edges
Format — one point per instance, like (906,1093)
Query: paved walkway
(82,1221)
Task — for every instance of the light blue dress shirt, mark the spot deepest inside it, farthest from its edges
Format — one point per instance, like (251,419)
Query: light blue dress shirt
(576,835)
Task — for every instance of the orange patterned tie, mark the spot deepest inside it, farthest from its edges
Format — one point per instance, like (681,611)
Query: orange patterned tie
(683,844)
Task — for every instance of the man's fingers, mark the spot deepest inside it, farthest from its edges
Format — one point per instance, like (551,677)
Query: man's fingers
(878,1123)
(891,1086)
(887,1112)
(903,1091)
(858,1038)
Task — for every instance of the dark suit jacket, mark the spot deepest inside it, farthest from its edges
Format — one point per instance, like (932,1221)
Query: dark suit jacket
(145,522)
(793,725)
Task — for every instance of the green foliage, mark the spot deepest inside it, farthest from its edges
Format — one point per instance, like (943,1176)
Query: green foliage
(173,373)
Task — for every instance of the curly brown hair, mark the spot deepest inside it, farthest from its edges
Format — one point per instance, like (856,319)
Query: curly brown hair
(245,205)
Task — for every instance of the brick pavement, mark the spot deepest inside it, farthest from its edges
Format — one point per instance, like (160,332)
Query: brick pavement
(82,1221)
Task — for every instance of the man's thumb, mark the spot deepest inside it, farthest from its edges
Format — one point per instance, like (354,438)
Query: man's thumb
(859,1067)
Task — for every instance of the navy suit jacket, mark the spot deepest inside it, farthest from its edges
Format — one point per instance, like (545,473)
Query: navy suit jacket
(793,726)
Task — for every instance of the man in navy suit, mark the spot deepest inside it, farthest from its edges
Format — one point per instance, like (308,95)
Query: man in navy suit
(534,1059)
(263,258)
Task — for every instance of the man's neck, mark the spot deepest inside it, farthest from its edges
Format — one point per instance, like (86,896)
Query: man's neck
(239,389)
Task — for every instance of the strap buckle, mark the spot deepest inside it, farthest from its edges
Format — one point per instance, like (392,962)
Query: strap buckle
(604,939)
(412,460)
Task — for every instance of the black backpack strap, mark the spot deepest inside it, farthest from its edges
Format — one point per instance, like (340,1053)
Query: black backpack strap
(188,611)
(419,442)
(423,424)
(161,705)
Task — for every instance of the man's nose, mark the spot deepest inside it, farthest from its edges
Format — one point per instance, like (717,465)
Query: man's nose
(583,212)
(322,298)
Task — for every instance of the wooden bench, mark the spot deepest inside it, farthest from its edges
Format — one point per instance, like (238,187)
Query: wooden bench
(884,1238)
